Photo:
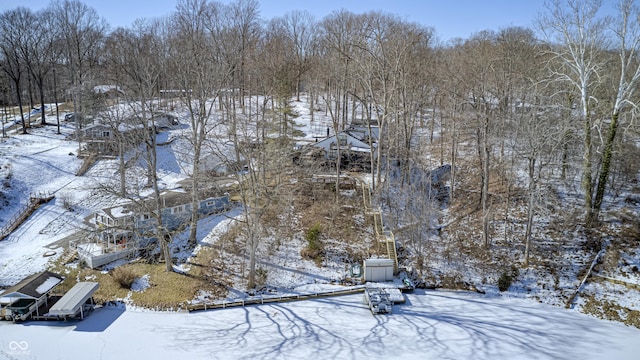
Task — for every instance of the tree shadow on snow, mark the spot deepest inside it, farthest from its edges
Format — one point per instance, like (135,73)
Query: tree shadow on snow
(488,328)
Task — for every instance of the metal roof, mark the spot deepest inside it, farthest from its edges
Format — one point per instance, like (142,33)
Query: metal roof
(70,303)
(378,262)
(32,287)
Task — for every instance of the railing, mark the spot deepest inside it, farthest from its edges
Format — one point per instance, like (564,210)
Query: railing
(383,237)
(106,255)
(273,299)
(35,200)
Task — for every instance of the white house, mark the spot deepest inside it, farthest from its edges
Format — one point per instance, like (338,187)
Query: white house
(122,229)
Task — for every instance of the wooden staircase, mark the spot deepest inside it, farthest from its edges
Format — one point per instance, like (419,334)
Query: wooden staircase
(69,256)
(35,200)
(385,238)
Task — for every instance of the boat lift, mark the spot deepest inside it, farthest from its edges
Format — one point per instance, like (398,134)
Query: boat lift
(76,301)
(379,300)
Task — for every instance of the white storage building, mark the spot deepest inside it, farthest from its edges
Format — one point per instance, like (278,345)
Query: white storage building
(376,270)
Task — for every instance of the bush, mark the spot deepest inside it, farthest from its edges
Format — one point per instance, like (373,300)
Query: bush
(66,200)
(507,277)
(124,276)
(313,234)
(504,282)
(315,248)
(261,276)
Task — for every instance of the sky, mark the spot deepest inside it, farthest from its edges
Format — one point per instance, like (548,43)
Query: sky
(450,19)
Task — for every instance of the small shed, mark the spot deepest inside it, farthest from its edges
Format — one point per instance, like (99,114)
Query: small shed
(73,302)
(378,270)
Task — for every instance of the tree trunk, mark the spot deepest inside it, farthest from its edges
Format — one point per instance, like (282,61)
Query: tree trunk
(152,155)
(194,194)
(452,180)
(530,210)
(253,247)
(565,156)
(30,92)
(55,98)
(19,98)
(43,122)
(606,165)
(484,198)
(587,183)
(372,158)
(166,251)
(122,170)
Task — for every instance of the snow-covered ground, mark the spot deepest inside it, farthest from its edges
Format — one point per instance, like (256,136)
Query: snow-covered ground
(432,324)
(41,162)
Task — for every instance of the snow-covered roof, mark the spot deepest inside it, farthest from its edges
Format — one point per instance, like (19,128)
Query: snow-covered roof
(103,89)
(120,211)
(33,287)
(351,141)
(361,132)
(70,303)
(378,262)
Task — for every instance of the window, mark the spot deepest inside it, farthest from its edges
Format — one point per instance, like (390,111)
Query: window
(342,139)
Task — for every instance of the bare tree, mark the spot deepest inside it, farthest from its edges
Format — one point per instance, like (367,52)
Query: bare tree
(198,69)
(479,56)
(239,36)
(82,32)
(580,35)
(138,56)
(243,17)
(537,125)
(626,32)
(341,31)
(13,25)
(40,50)
(299,27)
(374,52)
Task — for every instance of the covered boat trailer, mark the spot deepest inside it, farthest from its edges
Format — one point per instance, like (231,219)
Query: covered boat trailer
(74,302)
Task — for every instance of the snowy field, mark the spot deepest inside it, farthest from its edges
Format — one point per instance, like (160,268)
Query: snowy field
(430,325)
